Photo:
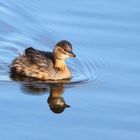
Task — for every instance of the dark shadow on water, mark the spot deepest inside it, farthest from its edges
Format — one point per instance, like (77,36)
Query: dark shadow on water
(31,86)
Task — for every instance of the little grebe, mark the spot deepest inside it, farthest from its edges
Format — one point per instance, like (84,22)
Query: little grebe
(44,65)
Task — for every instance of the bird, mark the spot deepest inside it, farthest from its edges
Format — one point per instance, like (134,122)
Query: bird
(43,65)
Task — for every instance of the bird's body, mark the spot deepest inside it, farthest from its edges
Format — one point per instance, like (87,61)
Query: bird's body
(43,65)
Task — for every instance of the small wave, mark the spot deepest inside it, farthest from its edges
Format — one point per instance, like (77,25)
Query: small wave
(84,69)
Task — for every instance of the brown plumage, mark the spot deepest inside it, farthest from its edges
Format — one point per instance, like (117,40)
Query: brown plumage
(44,65)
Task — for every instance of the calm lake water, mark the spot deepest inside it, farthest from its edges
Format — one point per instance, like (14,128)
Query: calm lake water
(104,93)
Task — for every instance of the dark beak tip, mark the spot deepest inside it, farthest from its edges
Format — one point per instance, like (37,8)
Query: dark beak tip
(67,106)
(74,55)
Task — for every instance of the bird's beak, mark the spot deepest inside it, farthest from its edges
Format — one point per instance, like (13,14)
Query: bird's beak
(66,106)
(72,54)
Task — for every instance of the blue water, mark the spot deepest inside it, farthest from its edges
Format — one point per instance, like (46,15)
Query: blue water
(104,93)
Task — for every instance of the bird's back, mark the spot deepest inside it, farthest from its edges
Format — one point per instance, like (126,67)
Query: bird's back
(40,58)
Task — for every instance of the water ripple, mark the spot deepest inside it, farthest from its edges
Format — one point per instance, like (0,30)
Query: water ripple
(84,68)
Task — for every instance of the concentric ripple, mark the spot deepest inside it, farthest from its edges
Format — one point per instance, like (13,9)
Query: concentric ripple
(6,56)
(84,69)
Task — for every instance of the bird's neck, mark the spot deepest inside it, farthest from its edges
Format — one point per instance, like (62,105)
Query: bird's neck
(60,64)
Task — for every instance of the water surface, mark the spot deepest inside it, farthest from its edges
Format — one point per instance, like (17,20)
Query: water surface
(104,90)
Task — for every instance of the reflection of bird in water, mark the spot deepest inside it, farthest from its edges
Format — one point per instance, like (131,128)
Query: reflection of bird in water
(55,100)
(44,65)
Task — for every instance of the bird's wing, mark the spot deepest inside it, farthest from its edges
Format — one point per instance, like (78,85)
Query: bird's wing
(36,57)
